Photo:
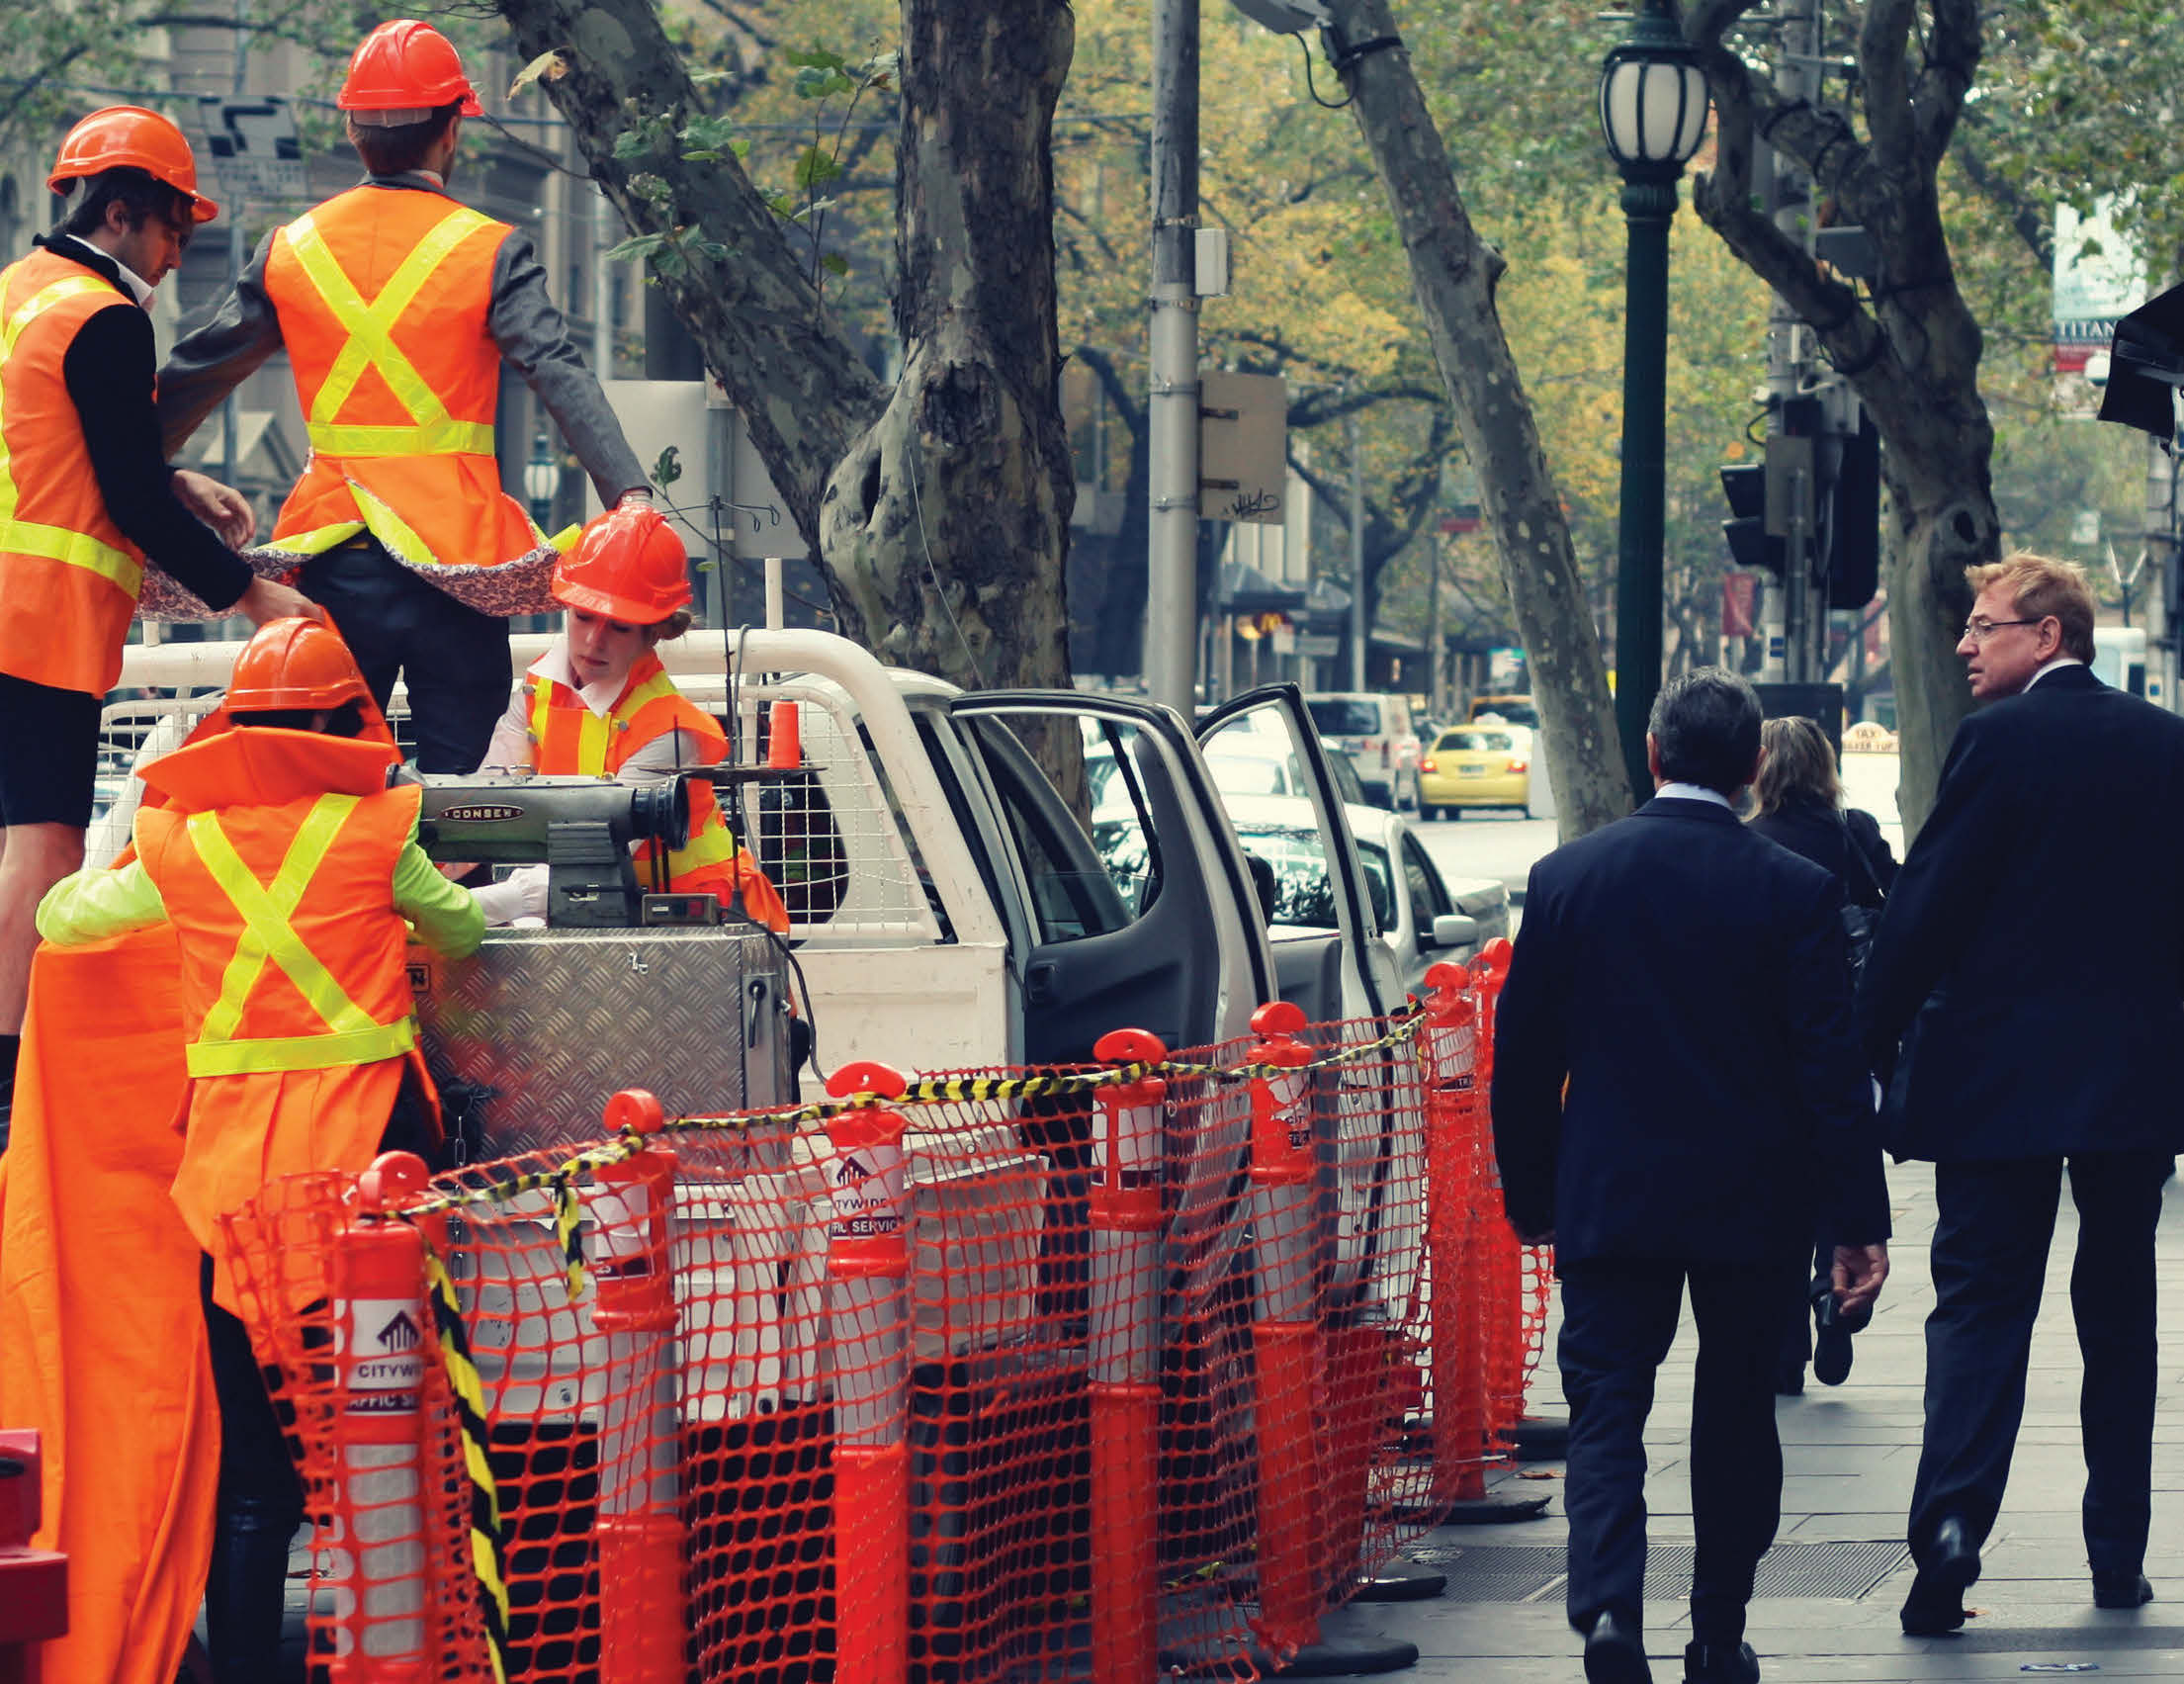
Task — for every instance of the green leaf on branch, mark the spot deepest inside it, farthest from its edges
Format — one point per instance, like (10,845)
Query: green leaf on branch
(782,206)
(833,263)
(636,249)
(817,58)
(668,469)
(708,135)
(813,83)
(815,168)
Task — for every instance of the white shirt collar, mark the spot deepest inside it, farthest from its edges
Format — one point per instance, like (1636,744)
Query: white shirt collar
(2050,667)
(1691,792)
(138,287)
(554,667)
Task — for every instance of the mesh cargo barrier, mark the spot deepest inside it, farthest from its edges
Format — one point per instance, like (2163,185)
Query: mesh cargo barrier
(1011,1374)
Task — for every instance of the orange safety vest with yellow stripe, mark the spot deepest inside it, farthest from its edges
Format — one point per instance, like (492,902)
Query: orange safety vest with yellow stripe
(382,295)
(68,576)
(292,949)
(570,740)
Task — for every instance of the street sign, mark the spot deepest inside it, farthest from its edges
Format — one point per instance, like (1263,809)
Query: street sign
(1318,645)
(1243,446)
(253,148)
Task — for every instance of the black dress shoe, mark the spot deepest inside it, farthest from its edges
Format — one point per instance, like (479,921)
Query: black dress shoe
(1721,1664)
(1615,1653)
(2126,1589)
(1935,1606)
(1831,1342)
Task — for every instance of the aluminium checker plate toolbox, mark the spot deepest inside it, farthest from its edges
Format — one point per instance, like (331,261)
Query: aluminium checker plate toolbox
(530,1038)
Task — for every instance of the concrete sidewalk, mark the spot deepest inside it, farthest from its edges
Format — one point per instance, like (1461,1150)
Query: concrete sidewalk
(1825,1608)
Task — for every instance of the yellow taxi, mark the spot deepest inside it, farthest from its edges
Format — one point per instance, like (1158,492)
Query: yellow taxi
(1486,763)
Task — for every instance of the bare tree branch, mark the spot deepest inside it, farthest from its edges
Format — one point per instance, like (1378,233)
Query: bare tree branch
(1951,62)
(1884,67)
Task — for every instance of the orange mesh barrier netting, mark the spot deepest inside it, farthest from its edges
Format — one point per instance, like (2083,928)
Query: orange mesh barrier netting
(1013,1374)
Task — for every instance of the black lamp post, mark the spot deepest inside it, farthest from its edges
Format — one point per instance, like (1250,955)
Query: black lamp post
(1652,113)
(542,480)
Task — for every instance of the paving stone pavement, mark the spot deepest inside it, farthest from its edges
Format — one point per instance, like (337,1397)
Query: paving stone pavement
(1849,1456)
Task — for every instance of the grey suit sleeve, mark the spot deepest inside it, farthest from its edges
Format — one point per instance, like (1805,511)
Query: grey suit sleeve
(218,355)
(534,339)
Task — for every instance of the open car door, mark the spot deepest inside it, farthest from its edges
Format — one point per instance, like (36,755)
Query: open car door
(1128,901)
(1328,955)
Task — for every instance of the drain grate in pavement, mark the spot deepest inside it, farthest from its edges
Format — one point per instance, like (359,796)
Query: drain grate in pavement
(1517,1572)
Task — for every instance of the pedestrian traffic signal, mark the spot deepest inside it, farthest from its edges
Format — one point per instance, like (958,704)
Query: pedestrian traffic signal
(1744,484)
(1854,521)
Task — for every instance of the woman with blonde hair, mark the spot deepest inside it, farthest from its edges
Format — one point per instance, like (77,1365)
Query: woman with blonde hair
(1799,806)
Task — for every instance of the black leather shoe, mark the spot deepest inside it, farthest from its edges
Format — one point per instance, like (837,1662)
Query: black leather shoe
(2122,1590)
(1721,1664)
(1831,1342)
(1935,1606)
(1615,1653)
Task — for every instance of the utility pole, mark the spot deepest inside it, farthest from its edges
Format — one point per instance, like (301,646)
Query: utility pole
(1171,593)
(1358,619)
(231,413)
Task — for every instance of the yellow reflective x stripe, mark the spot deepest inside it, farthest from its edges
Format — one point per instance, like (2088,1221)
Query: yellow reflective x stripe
(713,846)
(371,346)
(268,934)
(32,538)
(593,732)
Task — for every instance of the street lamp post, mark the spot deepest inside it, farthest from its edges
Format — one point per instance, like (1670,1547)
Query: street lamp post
(1652,114)
(542,480)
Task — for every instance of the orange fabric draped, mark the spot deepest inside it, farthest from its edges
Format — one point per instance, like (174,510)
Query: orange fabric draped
(102,1339)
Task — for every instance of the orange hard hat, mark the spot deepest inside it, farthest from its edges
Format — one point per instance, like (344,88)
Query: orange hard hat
(409,67)
(629,565)
(293,662)
(128,137)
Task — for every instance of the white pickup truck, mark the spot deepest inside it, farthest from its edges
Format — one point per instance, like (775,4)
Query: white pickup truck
(951,909)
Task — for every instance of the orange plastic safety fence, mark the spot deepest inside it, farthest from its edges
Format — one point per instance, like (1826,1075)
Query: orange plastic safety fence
(1074,1375)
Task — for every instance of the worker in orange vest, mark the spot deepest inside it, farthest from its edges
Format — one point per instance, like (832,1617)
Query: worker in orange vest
(398,307)
(286,868)
(89,499)
(599,703)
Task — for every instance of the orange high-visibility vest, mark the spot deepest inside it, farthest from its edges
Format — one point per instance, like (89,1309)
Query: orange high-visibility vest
(570,740)
(68,579)
(292,949)
(382,295)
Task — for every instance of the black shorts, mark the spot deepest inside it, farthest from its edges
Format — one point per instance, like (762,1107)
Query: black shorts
(48,753)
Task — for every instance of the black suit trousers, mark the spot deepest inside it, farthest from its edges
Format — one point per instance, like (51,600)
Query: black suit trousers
(1619,1319)
(1990,1259)
(454,659)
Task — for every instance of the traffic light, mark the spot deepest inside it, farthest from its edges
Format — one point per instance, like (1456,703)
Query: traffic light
(1854,526)
(1744,484)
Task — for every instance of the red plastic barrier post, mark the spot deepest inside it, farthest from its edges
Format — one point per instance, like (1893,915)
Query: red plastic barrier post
(1500,1259)
(34,1583)
(382,1330)
(639,1531)
(868,1268)
(1285,1345)
(1128,1144)
(1453,1156)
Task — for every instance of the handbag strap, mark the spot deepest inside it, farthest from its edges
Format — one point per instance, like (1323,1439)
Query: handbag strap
(1857,855)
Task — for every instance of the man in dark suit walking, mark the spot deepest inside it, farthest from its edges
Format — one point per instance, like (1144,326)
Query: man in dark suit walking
(1679,1097)
(2034,950)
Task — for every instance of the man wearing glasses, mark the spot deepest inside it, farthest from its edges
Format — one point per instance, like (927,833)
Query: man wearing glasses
(2032,961)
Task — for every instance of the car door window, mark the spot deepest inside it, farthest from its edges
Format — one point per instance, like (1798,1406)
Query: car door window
(1092,864)
(1379,883)
(1422,881)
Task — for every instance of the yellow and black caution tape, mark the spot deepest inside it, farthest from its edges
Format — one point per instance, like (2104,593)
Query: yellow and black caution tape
(488,1564)
(566,1227)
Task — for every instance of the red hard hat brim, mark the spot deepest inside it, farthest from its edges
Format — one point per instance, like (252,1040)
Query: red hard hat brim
(617,609)
(202,209)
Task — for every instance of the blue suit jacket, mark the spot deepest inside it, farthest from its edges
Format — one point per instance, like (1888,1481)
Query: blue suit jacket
(2034,943)
(1689,981)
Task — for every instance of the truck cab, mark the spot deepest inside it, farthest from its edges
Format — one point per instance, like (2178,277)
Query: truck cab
(992,878)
